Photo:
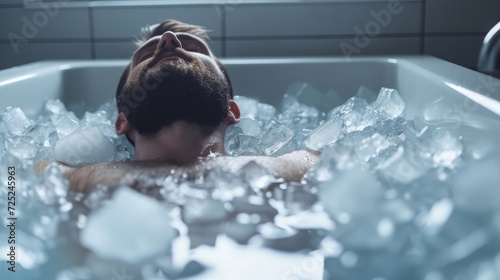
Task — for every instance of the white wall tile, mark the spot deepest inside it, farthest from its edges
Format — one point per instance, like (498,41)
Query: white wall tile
(320,47)
(41,24)
(319,19)
(126,22)
(461,15)
(43,51)
(106,50)
(460,50)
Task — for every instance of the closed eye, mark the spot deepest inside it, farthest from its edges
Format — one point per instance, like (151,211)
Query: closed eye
(146,56)
(193,48)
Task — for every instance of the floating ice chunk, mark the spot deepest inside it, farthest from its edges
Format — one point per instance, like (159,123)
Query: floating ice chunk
(257,176)
(297,115)
(352,194)
(52,186)
(30,251)
(445,145)
(110,109)
(94,119)
(276,139)
(266,112)
(54,107)
(21,146)
(15,121)
(84,147)
(310,96)
(404,166)
(292,198)
(370,146)
(120,232)
(243,145)
(476,184)
(327,133)
(437,216)
(366,94)
(203,211)
(307,220)
(389,103)
(336,157)
(65,123)
(249,127)
(249,106)
(356,114)
(397,130)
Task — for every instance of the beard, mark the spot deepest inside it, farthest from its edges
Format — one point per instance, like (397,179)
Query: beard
(173,90)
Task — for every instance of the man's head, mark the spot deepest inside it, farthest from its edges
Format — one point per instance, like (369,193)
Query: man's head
(174,80)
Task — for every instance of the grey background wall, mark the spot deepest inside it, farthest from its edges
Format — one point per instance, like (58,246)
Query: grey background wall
(449,29)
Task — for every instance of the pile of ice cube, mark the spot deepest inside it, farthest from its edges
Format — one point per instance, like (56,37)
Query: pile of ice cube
(389,198)
(57,134)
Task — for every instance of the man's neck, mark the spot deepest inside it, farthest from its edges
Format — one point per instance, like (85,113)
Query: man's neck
(180,143)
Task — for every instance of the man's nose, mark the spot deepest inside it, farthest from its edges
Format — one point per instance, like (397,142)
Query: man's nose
(168,42)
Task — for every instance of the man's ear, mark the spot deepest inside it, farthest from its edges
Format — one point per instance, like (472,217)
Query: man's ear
(233,116)
(122,125)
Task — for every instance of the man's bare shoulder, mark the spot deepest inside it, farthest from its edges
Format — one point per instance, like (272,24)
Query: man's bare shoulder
(291,167)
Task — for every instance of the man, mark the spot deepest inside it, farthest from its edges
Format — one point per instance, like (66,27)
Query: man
(175,102)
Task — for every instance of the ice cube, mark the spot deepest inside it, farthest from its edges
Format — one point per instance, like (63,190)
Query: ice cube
(15,121)
(276,139)
(327,133)
(352,193)
(446,146)
(257,176)
(243,145)
(370,146)
(52,185)
(292,198)
(389,103)
(249,127)
(334,158)
(112,236)
(475,186)
(84,147)
(397,130)
(94,119)
(404,166)
(310,96)
(249,107)
(203,211)
(54,107)
(65,124)
(356,114)
(110,109)
(22,146)
(266,112)
(297,115)
(366,94)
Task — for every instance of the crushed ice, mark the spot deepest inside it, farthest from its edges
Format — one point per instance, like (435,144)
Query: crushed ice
(387,200)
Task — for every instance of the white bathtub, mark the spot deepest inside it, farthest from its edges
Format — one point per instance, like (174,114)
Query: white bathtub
(469,99)
(420,80)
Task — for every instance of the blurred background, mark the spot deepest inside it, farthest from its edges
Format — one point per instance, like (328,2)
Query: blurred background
(32,30)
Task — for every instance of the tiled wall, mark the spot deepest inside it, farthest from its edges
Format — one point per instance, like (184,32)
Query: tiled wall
(450,29)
